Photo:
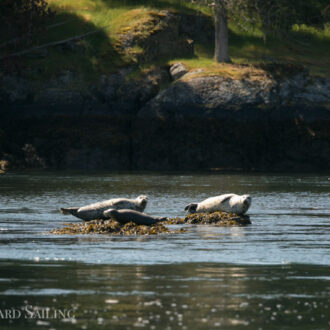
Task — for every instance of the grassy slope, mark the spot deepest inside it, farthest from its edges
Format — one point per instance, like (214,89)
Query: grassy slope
(97,53)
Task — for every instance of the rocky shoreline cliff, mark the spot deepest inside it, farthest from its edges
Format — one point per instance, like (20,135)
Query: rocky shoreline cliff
(195,123)
(261,118)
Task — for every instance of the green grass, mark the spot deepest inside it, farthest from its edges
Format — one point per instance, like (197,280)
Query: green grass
(304,46)
(97,53)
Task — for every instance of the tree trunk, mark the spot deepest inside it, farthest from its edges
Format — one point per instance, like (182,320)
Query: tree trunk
(221,34)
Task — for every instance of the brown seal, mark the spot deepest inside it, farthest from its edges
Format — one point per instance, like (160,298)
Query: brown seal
(124,216)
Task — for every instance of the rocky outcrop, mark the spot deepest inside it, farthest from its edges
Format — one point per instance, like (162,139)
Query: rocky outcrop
(303,89)
(208,96)
(166,118)
(177,70)
(112,227)
(213,96)
(274,117)
(124,96)
(212,122)
(199,121)
(215,218)
(158,35)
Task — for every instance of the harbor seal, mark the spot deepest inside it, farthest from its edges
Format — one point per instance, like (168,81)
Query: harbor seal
(95,211)
(230,203)
(124,216)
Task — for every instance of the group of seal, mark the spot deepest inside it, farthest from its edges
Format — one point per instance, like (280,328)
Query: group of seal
(125,210)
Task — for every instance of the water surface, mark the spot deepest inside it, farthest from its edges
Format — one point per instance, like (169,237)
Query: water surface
(272,273)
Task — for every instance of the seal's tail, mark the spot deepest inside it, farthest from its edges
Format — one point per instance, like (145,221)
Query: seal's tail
(159,219)
(69,210)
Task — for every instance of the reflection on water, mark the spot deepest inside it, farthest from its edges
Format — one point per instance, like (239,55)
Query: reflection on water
(272,274)
(188,296)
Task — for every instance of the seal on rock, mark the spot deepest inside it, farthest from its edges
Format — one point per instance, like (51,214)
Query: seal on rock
(95,211)
(230,203)
(125,216)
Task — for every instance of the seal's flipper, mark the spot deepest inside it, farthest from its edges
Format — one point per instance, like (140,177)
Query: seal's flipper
(69,210)
(187,207)
(226,199)
(159,219)
(107,213)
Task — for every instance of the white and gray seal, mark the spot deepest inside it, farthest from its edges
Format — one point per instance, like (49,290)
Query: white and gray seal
(230,203)
(125,216)
(95,211)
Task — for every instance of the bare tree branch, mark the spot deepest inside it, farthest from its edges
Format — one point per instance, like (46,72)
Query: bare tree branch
(12,41)
(55,43)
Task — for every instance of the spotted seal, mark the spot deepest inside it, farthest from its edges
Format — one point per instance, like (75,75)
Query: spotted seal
(124,216)
(95,211)
(230,203)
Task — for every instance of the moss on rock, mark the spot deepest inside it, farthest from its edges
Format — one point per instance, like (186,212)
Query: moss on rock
(114,228)
(215,218)
(148,35)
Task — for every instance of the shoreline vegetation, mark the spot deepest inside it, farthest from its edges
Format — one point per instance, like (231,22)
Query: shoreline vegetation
(132,85)
(116,20)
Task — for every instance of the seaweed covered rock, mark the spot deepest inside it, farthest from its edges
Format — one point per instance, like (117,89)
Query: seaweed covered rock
(215,218)
(112,227)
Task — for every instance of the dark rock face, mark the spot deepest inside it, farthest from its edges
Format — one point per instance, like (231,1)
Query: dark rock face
(270,140)
(279,121)
(208,96)
(13,90)
(301,89)
(125,97)
(197,123)
(216,122)
(216,96)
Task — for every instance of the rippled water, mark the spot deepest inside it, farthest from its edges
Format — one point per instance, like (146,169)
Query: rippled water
(273,272)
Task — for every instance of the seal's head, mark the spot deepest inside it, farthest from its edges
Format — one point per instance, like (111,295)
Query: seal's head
(246,202)
(142,201)
(191,208)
